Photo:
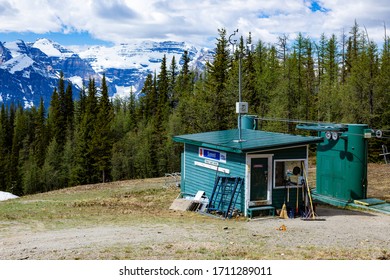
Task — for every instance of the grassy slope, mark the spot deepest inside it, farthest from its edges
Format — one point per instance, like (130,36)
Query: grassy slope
(145,203)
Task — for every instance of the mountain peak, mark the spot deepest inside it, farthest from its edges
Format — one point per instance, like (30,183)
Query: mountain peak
(51,48)
(31,70)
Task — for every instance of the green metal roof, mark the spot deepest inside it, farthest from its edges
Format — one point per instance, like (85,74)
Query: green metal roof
(254,140)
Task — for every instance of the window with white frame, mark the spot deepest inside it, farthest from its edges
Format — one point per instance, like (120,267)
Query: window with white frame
(288,172)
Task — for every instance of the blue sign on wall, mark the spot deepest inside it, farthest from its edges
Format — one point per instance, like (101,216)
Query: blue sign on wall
(212,154)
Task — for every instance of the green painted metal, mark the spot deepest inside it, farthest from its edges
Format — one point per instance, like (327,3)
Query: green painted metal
(249,122)
(382,208)
(322,127)
(329,199)
(254,140)
(342,165)
(369,201)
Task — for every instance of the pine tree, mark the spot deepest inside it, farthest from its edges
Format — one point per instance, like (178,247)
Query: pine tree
(148,100)
(31,175)
(249,92)
(172,78)
(328,95)
(61,122)
(41,140)
(84,171)
(383,86)
(163,86)
(52,176)
(54,116)
(69,108)
(132,108)
(259,96)
(358,92)
(185,70)
(19,134)
(4,153)
(101,142)
(216,100)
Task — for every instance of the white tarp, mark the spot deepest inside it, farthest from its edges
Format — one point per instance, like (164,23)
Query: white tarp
(6,196)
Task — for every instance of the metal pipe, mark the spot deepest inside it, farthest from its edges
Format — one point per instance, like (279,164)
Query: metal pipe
(239,97)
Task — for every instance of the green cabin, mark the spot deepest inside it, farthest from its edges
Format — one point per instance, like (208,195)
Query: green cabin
(265,160)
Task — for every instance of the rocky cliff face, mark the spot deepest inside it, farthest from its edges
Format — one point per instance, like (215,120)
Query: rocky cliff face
(29,71)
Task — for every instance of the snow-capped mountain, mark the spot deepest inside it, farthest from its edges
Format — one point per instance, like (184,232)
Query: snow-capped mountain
(29,71)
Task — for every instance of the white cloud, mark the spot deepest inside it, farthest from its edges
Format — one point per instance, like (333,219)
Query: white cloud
(123,21)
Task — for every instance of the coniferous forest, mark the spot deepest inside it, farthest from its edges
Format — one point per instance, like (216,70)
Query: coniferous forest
(85,137)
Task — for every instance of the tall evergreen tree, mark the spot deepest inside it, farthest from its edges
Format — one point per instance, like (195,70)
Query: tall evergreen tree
(148,100)
(69,108)
(383,86)
(41,139)
(15,175)
(4,153)
(163,86)
(172,78)
(328,95)
(101,142)
(216,100)
(85,167)
(52,176)
(132,111)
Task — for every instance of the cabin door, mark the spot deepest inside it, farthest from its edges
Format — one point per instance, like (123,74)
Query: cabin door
(259,179)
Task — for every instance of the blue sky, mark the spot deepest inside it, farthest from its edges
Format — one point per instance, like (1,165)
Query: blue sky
(71,39)
(109,22)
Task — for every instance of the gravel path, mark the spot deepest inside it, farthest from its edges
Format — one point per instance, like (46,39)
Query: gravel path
(343,234)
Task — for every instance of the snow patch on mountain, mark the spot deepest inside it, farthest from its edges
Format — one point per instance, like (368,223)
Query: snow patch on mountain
(76,80)
(29,71)
(126,56)
(51,48)
(27,103)
(14,47)
(123,92)
(18,63)
(145,55)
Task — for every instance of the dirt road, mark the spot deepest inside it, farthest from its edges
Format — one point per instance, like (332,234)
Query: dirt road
(344,234)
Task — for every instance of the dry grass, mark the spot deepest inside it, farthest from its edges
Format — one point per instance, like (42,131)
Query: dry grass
(379,181)
(137,212)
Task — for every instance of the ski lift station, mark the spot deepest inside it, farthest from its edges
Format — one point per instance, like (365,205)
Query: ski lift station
(256,172)
(260,165)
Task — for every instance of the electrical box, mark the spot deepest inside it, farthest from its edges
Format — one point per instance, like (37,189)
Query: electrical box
(241,107)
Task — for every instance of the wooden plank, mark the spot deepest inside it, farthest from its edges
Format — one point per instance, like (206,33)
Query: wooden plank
(181,204)
(369,201)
